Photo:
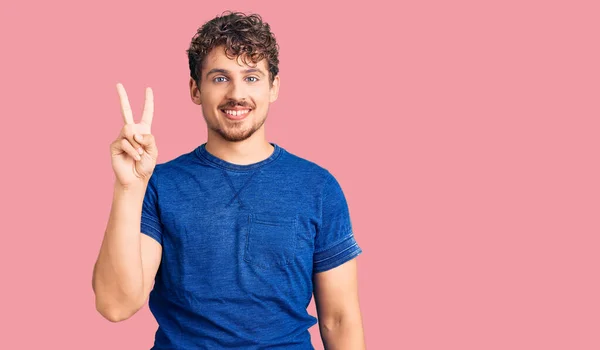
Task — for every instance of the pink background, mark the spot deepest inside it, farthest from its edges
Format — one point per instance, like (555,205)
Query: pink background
(464,134)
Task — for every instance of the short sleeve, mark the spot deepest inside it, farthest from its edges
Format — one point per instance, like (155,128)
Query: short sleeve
(335,243)
(151,225)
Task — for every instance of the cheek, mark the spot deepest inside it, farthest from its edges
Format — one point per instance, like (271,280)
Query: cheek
(210,95)
(211,101)
(262,98)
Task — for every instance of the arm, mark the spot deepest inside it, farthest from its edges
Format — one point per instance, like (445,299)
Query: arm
(128,260)
(336,299)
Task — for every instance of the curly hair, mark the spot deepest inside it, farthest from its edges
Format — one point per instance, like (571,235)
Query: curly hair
(242,35)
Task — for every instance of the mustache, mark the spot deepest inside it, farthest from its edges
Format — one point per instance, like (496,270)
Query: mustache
(233,104)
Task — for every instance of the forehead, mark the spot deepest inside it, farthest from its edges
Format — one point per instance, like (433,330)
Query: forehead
(217,59)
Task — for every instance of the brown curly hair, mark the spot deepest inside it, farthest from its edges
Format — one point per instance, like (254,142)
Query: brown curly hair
(242,35)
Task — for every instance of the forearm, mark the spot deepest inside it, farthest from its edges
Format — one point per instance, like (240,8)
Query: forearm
(118,275)
(346,334)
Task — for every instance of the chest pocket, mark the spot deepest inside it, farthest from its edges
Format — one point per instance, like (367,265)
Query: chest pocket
(271,240)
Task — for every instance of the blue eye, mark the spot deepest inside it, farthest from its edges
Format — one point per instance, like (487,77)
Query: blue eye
(216,80)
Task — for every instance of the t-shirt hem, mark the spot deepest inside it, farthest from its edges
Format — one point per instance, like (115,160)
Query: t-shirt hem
(338,261)
(342,252)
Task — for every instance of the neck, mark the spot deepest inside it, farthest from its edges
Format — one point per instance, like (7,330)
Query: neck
(250,151)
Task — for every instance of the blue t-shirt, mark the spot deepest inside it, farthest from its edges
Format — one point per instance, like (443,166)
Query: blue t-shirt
(240,246)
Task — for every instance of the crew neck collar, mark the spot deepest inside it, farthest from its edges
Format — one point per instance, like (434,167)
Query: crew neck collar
(203,154)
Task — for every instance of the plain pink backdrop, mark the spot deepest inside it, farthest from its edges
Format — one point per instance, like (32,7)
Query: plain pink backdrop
(464,135)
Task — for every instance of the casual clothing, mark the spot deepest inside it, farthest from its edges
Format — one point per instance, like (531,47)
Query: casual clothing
(240,246)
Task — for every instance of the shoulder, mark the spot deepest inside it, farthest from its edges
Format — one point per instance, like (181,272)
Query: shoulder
(175,165)
(308,171)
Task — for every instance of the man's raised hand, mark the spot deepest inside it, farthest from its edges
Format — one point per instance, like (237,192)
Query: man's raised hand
(134,152)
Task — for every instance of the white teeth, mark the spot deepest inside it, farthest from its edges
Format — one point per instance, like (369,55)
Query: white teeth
(236,113)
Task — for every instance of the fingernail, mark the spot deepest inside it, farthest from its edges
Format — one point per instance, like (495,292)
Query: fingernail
(138,157)
(138,137)
(140,150)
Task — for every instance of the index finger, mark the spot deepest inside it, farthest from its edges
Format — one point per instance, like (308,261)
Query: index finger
(148,107)
(125,107)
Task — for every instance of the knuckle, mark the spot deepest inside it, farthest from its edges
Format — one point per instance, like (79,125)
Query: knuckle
(127,130)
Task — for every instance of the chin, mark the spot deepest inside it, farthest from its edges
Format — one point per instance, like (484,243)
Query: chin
(234,136)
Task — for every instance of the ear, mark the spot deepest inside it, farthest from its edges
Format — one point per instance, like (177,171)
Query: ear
(274,89)
(195,92)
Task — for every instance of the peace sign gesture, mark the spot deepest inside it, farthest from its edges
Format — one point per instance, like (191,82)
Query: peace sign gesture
(134,152)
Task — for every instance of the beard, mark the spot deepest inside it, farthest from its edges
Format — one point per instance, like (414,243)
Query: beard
(235,131)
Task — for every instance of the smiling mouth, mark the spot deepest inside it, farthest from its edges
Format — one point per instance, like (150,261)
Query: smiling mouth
(236,114)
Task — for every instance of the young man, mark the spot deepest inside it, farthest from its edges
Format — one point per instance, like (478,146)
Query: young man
(236,234)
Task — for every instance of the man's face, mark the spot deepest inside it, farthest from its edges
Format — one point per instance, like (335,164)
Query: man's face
(235,97)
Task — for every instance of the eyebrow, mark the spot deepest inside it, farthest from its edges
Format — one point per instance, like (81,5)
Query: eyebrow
(225,71)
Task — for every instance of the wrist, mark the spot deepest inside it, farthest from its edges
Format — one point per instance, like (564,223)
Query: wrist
(134,187)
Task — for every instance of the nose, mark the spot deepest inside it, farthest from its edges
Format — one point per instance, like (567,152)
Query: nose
(236,91)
